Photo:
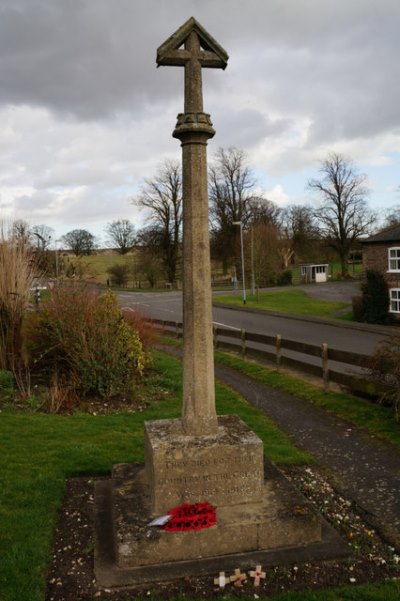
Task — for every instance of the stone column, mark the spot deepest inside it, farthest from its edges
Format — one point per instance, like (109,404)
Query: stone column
(199,414)
(192,47)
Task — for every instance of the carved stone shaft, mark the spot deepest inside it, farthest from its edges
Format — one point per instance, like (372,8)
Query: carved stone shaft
(199,415)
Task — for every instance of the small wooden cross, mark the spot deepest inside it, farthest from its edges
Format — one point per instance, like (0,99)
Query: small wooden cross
(238,578)
(221,580)
(257,574)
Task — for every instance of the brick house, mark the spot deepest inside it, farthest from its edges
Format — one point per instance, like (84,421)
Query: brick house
(381,252)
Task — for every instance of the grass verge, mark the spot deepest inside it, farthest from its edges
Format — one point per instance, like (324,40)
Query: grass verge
(286,301)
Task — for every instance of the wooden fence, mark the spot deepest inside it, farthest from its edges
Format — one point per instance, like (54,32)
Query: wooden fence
(352,372)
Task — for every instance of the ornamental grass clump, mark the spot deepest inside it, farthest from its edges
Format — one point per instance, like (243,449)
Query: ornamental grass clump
(17,275)
(83,339)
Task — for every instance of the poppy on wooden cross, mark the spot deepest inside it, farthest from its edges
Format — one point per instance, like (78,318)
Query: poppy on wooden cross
(238,578)
(257,574)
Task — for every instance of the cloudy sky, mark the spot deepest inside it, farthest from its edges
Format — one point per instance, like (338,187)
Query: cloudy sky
(85,114)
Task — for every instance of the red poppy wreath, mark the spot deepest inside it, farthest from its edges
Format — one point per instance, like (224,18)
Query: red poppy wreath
(191,517)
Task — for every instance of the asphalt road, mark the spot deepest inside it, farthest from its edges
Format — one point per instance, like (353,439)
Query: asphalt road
(168,306)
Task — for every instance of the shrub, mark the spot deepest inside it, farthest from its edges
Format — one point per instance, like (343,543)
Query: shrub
(6,385)
(61,394)
(374,307)
(119,274)
(85,340)
(385,370)
(284,278)
(143,327)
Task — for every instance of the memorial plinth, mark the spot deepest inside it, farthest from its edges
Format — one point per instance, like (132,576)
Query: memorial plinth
(282,528)
(226,468)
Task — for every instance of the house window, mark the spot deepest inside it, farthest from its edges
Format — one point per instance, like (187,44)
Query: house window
(394,300)
(394,259)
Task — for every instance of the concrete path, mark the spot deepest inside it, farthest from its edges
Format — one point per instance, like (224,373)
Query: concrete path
(363,468)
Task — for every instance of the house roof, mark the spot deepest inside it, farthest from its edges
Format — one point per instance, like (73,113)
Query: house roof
(389,234)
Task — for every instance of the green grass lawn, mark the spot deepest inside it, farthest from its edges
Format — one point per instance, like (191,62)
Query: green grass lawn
(285,301)
(383,591)
(38,451)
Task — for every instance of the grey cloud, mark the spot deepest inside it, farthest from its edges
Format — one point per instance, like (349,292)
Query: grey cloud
(92,59)
(34,203)
(247,127)
(87,59)
(328,66)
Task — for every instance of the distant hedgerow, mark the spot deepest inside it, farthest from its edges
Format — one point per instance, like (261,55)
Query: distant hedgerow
(119,274)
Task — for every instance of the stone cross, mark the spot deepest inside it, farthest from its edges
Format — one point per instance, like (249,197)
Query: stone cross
(192,47)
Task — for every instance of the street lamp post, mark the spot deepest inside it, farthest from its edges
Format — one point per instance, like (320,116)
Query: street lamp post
(56,250)
(253,279)
(239,223)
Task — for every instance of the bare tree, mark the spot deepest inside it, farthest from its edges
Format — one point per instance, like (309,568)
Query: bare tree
(162,197)
(392,217)
(299,227)
(263,210)
(21,232)
(263,249)
(121,235)
(344,214)
(45,259)
(231,191)
(41,236)
(81,242)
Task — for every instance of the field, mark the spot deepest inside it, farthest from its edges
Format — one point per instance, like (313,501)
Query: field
(94,268)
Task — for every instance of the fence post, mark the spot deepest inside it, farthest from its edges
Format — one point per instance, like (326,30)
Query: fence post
(215,337)
(278,345)
(243,339)
(325,366)
(177,329)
